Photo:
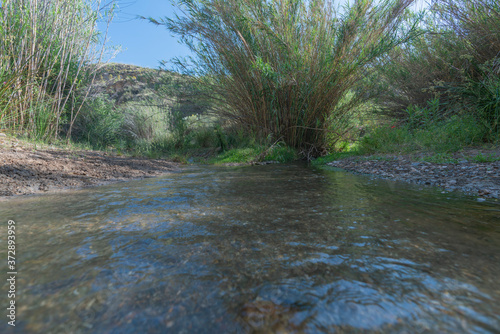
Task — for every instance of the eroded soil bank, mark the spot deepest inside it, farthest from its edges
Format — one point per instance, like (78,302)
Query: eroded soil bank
(24,169)
(462,172)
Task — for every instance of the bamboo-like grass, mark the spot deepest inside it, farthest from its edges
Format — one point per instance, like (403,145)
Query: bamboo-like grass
(48,50)
(282,68)
(456,63)
(477,23)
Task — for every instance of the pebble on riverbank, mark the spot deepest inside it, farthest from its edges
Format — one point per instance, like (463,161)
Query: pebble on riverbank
(479,179)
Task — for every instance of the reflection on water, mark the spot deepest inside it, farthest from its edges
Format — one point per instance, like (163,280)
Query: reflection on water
(255,249)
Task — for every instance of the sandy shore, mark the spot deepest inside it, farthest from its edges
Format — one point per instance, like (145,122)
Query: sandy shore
(26,169)
(480,179)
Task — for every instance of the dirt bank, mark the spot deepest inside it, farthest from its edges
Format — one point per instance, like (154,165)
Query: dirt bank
(26,169)
(462,173)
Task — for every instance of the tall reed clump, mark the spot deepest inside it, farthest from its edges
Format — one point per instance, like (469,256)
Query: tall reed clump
(282,67)
(478,24)
(48,50)
(456,61)
(413,73)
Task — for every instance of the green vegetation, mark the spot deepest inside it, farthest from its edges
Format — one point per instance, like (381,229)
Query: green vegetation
(286,70)
(275,153)
(439,92)
(270,80)
(48,52)
(441,158)
(484,158)
(448,135)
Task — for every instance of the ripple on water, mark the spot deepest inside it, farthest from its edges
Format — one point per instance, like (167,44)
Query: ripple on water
(256,249)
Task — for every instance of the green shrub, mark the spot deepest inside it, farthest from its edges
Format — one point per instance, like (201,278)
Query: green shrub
(481,98)
(205,137)
(50,49)
(99,124)
(414,73)
(456,62)
(238,155)
(281,153)
(144,121)
(421,117)
(446,135)
(280,69)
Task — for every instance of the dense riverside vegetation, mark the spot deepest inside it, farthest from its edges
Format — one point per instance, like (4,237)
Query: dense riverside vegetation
(269,80)
(49,51)
(442,89)
(289,70)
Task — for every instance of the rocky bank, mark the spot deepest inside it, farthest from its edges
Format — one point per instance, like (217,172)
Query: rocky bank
(462,173)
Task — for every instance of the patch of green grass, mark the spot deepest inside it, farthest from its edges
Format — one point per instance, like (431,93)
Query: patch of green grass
(444,136)
(237,155)
(484,158)
(387,140)
(333,157)
(281,153)
(441,158)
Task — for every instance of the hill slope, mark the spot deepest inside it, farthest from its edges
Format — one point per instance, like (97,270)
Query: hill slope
(124,83)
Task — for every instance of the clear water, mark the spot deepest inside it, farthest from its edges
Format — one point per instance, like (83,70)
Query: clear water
(254,249)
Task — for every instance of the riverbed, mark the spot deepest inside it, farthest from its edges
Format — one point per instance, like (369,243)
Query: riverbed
(263,249)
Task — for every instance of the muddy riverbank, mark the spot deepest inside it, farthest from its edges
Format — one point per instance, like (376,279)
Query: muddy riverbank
(26,169)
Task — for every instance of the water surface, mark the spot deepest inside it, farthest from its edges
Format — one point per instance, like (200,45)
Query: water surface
(255,249)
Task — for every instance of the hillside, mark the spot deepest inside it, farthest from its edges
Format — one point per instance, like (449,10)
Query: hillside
(124,83)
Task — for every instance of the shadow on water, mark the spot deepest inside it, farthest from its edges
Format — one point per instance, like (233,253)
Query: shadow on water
(256,249)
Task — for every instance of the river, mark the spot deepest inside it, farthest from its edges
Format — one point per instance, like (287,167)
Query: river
(262,249)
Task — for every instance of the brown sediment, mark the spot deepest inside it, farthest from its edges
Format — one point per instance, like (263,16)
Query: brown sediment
(27,170)
(476,178)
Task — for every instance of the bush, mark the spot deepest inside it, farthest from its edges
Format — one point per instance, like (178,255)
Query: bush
(415,73)
(99,124)
(144,121)
(47,48)
(456,62)
(481,98)
(281,153)
(446,135)
(281,68)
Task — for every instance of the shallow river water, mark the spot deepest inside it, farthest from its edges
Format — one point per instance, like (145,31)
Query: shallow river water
(279,248)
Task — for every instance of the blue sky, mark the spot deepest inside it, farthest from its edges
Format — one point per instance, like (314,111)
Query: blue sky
(143,43)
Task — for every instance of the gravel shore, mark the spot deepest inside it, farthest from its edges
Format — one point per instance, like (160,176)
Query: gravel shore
(24,169)
(475,178)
